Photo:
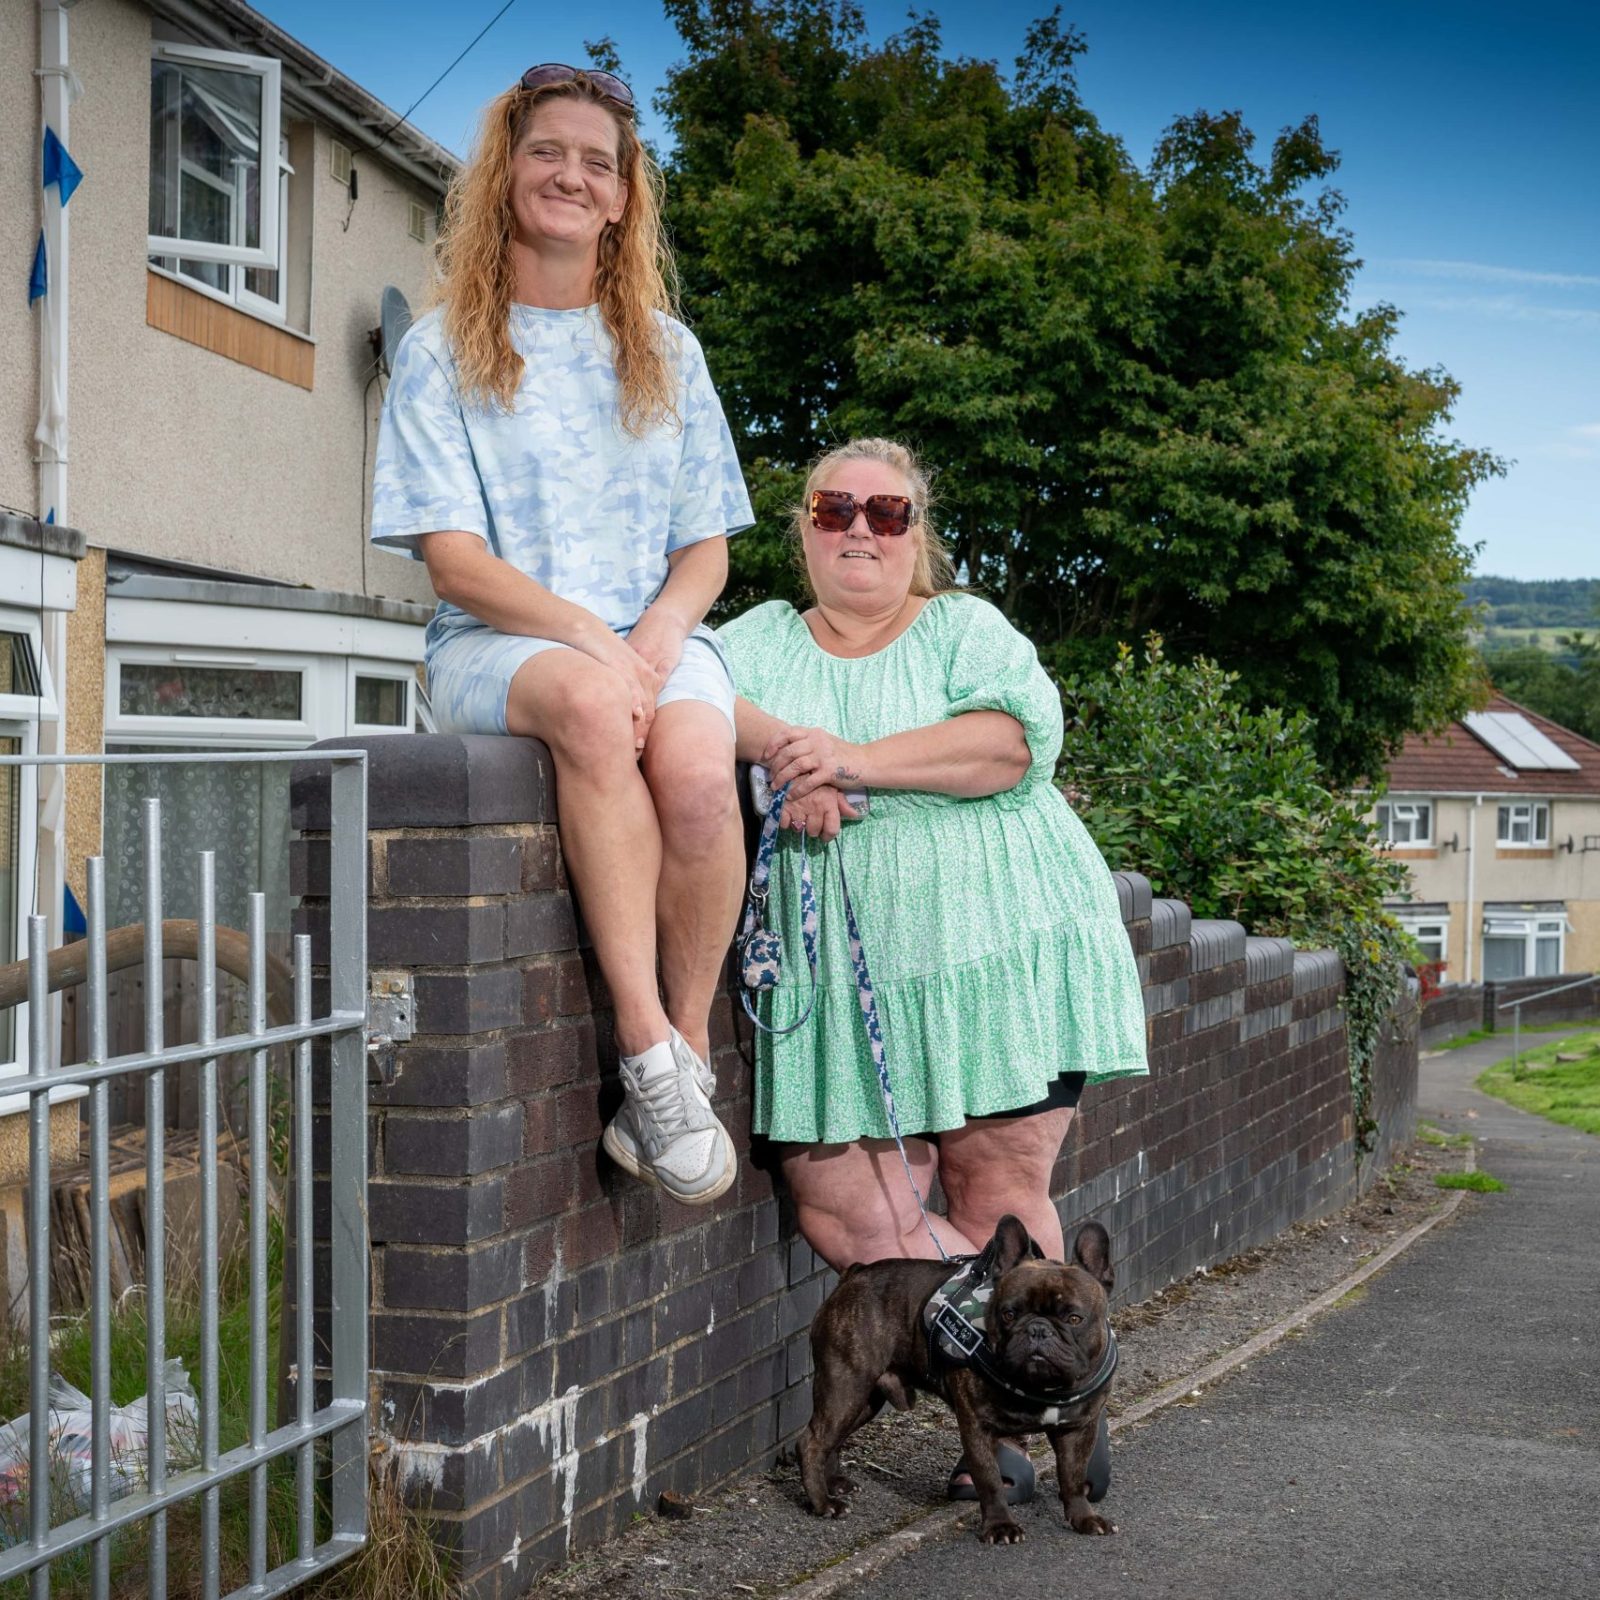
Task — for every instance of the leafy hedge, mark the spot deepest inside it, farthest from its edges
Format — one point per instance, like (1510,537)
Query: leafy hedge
(1226,808)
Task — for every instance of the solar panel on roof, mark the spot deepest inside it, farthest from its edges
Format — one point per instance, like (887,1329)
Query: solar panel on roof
(1515,740)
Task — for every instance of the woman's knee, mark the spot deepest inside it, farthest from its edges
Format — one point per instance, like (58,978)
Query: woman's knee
(580,708)
(694,795)
(987,1169)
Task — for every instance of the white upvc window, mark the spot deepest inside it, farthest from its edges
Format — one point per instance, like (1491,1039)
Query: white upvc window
(1523,945)
(1405,822)
(215,127)
(179,697)
(1524,824)
(27,698)
(1431,933)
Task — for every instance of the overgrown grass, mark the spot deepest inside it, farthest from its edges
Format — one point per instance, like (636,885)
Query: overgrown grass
(1479,1182)
(70,1357)
(1428,1134)
(1562,1091)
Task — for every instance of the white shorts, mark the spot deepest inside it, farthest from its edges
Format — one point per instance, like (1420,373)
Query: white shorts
(470,672)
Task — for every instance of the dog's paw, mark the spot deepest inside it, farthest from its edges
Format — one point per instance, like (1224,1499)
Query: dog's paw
(834,1506)
(839,1486)
(1091,1522)
(1006,1532)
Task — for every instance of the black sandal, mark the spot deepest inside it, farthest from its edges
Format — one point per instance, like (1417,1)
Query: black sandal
(1015,1469)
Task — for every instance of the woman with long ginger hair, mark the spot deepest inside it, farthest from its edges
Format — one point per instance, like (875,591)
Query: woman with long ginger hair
(552,447)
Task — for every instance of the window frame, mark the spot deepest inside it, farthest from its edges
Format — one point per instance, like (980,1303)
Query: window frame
(1385,817)
(394,672)
(20,718)
(1538,811)
(236,733)
(1416,928)
(270,71)
(1532,928)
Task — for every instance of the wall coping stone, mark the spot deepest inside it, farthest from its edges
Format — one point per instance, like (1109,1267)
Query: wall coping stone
(1316,969)
(1267,958)
(1133,895)
(436,780)
(1214,942)
(1169,923)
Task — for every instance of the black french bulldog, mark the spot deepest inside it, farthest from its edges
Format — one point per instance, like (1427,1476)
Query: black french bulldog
(1047,1341)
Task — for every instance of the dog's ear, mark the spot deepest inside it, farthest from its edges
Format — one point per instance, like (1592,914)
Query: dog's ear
(1092,1251)
(1010,1244)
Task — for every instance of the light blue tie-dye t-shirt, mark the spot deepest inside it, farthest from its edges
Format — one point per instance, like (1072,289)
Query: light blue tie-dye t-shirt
(556,487)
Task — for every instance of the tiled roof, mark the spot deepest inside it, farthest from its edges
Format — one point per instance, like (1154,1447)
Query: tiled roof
(1454,762)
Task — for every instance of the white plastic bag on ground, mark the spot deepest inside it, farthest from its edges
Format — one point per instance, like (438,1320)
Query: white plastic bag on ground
(71,1455)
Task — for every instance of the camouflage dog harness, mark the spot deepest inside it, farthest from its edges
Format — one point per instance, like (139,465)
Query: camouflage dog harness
(954,1318)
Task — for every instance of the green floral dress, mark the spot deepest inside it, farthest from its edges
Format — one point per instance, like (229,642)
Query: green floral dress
(991,926)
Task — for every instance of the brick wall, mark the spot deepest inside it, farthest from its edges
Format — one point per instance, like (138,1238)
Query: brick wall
(553,1343)
(1463,1007)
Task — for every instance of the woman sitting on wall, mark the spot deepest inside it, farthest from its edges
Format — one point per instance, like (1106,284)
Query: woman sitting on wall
(1002,972)
(552,447)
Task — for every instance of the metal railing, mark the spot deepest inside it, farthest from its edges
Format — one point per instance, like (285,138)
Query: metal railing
(1515,1008)
(342,1421)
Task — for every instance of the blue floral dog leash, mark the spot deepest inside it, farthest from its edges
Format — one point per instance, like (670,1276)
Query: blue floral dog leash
(761,961)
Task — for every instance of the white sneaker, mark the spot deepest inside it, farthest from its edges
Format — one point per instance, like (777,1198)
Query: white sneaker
(666,1132)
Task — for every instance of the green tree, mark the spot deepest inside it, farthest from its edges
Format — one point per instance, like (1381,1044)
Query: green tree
(1226,808)
(1562,685)
(1144,393)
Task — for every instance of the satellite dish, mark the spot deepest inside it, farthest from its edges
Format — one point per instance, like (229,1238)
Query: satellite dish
(394,317)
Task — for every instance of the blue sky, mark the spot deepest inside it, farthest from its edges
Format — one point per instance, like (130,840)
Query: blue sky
(1469,163)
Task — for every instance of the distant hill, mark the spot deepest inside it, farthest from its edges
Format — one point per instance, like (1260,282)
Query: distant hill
(1515,606)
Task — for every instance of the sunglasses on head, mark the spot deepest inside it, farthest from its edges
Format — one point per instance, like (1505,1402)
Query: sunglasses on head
(834,511)
(549,72)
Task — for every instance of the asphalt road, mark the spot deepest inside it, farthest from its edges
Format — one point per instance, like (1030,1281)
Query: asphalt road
(1437,1436)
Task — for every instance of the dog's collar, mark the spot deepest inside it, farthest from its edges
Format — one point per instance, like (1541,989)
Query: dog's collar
(953,1317)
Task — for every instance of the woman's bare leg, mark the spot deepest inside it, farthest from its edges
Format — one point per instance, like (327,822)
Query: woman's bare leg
(853,1202)
(609,834)
(1002,1164)
(688,766)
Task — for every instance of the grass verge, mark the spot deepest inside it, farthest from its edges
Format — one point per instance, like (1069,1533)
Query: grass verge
(1502,1032)
(1479,1182)
(1567,1092)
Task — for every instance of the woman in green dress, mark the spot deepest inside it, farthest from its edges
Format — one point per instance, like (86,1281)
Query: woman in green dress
(1003,974)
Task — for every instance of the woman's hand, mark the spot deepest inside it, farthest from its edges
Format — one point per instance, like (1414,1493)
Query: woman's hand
(809,758)
(819,814)
(658,639)
(641,678)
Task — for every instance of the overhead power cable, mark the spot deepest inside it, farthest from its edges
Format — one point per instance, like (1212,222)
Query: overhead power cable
(384,138)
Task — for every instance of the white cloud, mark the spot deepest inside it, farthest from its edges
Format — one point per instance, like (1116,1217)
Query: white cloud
(1483,272)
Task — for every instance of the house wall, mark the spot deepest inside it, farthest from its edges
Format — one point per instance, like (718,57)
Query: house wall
(19,201)
(1439,875)
(178,451)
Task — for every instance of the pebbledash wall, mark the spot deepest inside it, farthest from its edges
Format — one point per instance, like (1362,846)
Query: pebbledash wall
(554,1344)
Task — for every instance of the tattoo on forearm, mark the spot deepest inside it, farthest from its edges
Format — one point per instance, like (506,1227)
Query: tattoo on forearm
(845,775)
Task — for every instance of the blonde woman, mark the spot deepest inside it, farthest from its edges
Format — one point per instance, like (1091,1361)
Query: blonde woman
(552,447)
(1002,973)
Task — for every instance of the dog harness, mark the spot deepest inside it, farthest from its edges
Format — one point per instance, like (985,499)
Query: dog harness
(953,1319)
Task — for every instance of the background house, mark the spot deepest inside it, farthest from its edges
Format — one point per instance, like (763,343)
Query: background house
(187,415)
(1498,821)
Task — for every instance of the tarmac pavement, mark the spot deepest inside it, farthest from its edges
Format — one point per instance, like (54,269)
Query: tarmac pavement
(1437,1435)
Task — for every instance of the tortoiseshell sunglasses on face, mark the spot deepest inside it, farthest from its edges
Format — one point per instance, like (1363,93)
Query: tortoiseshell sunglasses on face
(549,72)
(834,511)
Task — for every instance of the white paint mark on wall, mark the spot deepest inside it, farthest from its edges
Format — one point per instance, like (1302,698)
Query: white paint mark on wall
(640,1424)
(556,1423)
(514,1554)
(713,1322)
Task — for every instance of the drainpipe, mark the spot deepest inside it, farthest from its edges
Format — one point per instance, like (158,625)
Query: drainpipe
(56,91)
(1472,859)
